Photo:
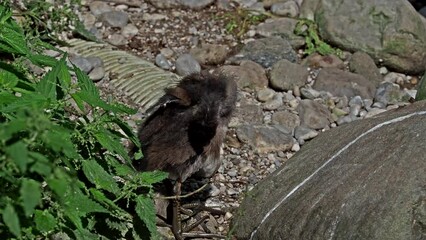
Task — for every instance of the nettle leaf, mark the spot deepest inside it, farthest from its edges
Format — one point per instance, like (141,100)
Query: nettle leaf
(152,177)
(30,195)
(112,144)
(13,39)
(43,60)
(58,75)
(10,218)
(45,221)
(8,79)
(28,100)
(78,205)
(98,176)
(146,211)
(100,197)
(18,152)
(41,164)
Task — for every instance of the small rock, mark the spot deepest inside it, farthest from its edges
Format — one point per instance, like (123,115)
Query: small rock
(153,17)
(304,133)
(274,103)
(390,93)
(309,93)
(210,53)
(248,75)
(232,173)
(167,52)
(296,147)
(285,75)
(286,9)
(115,18)
(361,63)
(99,7)
(313,115)
(265,94)
(129,31)
(383,70)
(264,138)
(97,73)
(82,63)
(286,119)
(196,4)
(228,215)
(95,61)
(187,64)
(162,62)
(328,61)
(117,40)
(374,112)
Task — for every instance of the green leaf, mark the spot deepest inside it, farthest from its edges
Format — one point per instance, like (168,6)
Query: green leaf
(101,198)
(146,211)
(14,39)
(45,221)
(10,218)
(58,75)
(34,100)
(98,176)
(152,177)
(421,91)
(30,194)
(43,60)
(8,79)
(41,164)
(19,154)
(112,144)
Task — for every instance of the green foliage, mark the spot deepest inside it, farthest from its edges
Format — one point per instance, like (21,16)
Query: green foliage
(239,22)
(421,90)
(63,170)
(309,30)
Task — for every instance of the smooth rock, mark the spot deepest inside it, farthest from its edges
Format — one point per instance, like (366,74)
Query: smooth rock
(162,62)
(285,75)
(264,138)
(362,180)
(97,73)
(196,4)
(286,9)
(82,63)
(388,30)
(313,115)
(265,94)
(287,119)
(99,7)
(283,27)
(390,93)
(318,61)
(115,18)
(129,31)
(341,83)
(248,75)
(210,54)
(250,113)
(274,103)
(304,133)
(187,64)
(362,64)
(266,52)
(117,40)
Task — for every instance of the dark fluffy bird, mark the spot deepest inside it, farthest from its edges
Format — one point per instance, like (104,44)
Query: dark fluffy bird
(185,129)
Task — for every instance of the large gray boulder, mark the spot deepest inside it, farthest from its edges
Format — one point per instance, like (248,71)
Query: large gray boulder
(363,180)
(389,30)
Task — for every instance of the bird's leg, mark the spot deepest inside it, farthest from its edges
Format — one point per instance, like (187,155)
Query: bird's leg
(176,222)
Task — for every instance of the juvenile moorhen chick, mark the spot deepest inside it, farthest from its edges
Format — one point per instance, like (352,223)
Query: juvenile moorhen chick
(185,129)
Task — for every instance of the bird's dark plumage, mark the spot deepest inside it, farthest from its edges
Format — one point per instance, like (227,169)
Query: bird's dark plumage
(184,132)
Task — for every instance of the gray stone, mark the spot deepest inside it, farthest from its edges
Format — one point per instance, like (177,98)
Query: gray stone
(99,7)
(387,30)
(282,27)
(117,39)
(341,83)
(187,64)
(115,18)
(309,93)
(304,133)
(129,31)
(250,113)
(362,180)
(287,119)
(286,9)
(82,63)
(164,4)
(266,52)
(362,64)
(248,75)
(162,62)
(153,17)
(286,75)
(210,54)
(265,94)
(274,103)
(390,93)
(313,115)
(195,4)
(318,61)
(95,61)
(264,138)
(269,3)
(97,73)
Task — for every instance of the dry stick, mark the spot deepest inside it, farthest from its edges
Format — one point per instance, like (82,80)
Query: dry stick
(195,224)
(186,195)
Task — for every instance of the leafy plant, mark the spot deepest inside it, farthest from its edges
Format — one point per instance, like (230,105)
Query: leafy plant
(239,22)
(308,29)
(63,171)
